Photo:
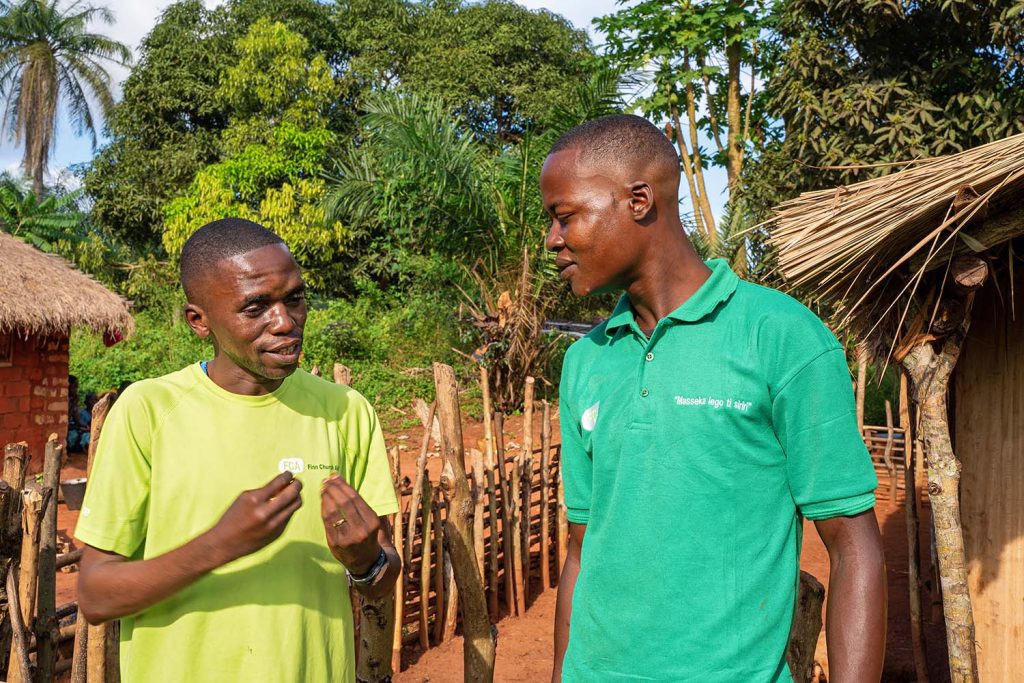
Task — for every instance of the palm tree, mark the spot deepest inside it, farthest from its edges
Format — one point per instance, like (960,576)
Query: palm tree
(41,223)
(49,57)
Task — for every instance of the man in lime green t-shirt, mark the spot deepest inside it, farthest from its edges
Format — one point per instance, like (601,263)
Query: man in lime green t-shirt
(700,423)
(196,535)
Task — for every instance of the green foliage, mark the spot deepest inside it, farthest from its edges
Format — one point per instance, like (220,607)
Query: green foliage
(495,63)
(159,346)
(167,126)
(49,57)
(275,146)
(855,84)
(42,224)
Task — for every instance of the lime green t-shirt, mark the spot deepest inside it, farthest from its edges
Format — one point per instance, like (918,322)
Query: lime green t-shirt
(691,456)
(174,453)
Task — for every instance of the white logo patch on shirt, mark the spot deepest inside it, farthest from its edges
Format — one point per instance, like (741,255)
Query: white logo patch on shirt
(589,419)
(293,465)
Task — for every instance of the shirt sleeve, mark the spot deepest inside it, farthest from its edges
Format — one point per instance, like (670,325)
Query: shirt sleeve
(577,466)
(829,469)
(367,468)
(115,511)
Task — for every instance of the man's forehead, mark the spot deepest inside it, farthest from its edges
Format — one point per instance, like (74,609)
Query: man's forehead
(257,269)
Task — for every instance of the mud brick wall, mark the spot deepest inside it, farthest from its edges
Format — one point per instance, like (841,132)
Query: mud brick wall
(34,393)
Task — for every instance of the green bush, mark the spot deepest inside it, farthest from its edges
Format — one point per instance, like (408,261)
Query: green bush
(160,345)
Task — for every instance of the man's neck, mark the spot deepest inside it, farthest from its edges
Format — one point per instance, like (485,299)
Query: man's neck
(670,276)
(236,380)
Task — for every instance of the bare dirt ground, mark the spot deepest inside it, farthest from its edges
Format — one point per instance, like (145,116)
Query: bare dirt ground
(525,643)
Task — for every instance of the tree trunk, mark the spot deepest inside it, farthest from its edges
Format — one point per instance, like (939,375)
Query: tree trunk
(913,545)
(929,374)
(20,636)
(97,656)
(734,163)
(506,513)
(862,380)
(691,181)
(526,472)
(545,498)
(479,645)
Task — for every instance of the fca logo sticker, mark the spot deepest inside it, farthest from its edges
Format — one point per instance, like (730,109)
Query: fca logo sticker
(293,465)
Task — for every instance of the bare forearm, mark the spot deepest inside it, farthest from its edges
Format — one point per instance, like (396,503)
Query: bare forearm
(563,613)
(114,588)
(566,587)
(857,603)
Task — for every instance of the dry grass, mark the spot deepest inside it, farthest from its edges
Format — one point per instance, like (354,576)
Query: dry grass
(44,294)
(864,249)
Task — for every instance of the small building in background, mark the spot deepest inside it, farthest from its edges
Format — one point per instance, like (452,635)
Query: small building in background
(42,297)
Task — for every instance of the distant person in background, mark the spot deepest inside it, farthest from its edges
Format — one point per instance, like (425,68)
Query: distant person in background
(79,419)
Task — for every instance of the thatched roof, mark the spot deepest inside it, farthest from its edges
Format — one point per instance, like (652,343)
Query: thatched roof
(43,294)
(865,249)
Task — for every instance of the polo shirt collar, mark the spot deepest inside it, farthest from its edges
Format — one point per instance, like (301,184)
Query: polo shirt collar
(716,289)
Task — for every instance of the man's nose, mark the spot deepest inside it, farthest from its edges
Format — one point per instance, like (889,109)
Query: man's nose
(554,240)
(281,320)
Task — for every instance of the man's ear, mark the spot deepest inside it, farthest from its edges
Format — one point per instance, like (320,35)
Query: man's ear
(196,319)
(641,201)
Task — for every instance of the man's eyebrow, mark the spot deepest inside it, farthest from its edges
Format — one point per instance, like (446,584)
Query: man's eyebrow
(265,298)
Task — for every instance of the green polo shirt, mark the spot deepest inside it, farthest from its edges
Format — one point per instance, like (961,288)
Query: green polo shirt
(691,457)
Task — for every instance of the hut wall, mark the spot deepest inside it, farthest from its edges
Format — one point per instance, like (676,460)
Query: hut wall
(34,393)
(989,428)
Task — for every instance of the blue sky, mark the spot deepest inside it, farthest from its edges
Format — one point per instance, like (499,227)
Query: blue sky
(134,18)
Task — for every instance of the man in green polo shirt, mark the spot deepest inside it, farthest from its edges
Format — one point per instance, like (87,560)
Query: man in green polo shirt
(700,424)
(197,536)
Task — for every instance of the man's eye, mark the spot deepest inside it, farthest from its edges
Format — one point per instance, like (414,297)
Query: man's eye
(253,311)
(563,218)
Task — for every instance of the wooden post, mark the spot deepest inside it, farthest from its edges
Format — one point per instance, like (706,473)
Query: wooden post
(862,374)
(492,500)
(545,490)
(399,592)
(15,459)
(515,500)
(19,638)
(806,626)
(97,636)
(451,603)
(34,503)
(373,662)
(46,620)
(890,466)
(917,643)
(478,510)
(342,374)
(421,467)
(479,645)
(435,508)
(506,515)
(929,372)
(527,477)
(426,493)
(315,371)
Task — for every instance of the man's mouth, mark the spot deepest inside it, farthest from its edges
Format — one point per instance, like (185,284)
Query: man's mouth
(289,353)
(565,270)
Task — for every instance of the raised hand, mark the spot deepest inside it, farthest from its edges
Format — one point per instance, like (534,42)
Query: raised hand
(257,517)
(350,525)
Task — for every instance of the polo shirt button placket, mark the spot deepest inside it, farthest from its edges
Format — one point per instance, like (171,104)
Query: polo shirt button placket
(649,357)
(644,392)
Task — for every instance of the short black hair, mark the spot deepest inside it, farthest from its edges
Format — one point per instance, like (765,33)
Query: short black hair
(216,241)
(620,139)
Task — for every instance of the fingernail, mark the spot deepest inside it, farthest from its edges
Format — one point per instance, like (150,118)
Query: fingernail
(288,476)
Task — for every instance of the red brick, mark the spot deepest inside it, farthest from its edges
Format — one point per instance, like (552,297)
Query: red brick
(9,405)
(14,421)
(34,374)
(40,390)
(57,357)
(18,389)
(57,407)
(24,404)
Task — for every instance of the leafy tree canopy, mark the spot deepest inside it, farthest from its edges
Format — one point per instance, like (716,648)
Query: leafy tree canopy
(167,126)
(862,83)
(274,148)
